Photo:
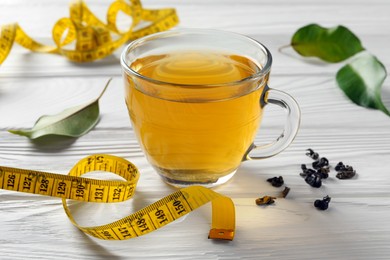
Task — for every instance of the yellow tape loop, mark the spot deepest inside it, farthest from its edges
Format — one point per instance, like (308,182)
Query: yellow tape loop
(144,221)
(93,39)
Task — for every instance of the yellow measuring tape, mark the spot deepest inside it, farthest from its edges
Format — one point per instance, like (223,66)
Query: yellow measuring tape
(92,39)
(146,220)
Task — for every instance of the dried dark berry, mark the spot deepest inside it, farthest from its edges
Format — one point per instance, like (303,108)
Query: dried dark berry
(345,174)
(266,200)
(323,175)
(324,161)
(320,163)
(276,181)
(303,167)
(322,204)
(313,180)
(312,154)
(307,172)
(340,166)
(285,191)
(316,164)
(323,172)
(325,169)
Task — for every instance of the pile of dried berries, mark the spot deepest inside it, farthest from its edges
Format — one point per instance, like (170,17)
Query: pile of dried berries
(320,171)
(313,176)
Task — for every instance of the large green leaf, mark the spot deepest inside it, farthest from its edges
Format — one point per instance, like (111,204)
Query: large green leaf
(74,122)
(362,79)
(329,44)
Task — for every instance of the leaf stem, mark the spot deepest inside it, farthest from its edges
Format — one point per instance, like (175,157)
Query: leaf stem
(105,87)
(284,47)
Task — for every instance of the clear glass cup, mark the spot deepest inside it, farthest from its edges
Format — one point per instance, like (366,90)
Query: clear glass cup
(196,98)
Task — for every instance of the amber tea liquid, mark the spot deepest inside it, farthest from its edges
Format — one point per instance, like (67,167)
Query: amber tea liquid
(195,127)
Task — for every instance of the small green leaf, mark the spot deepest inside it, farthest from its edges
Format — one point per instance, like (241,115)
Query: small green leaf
(329,44)
(362,79)
(74,122)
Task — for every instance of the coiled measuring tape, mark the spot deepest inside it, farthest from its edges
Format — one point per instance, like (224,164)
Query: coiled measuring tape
(152,217)
(93,39)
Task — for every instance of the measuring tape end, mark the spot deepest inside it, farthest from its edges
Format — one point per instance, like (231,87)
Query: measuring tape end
(221,234)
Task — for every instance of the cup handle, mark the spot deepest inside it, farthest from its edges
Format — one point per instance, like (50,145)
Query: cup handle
(288,103)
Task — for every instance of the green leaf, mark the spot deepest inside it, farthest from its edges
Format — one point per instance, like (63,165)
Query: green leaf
(329,44)
(362,79)
(74,122)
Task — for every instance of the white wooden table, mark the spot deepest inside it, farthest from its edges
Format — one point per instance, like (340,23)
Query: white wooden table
(357,223)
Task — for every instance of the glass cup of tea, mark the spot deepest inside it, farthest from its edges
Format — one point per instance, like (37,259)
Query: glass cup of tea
(196,98)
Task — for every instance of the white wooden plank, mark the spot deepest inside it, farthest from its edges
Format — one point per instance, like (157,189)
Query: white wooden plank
(23,101)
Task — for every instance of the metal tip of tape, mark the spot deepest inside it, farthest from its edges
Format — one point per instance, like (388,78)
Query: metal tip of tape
(221,234)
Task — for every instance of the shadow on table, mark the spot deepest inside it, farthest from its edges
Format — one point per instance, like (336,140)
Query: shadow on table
(100,252)
(109,60)
(248,181)
(386,97)
(53,143)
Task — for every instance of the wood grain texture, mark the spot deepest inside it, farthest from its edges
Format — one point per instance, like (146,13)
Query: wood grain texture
(356,226)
